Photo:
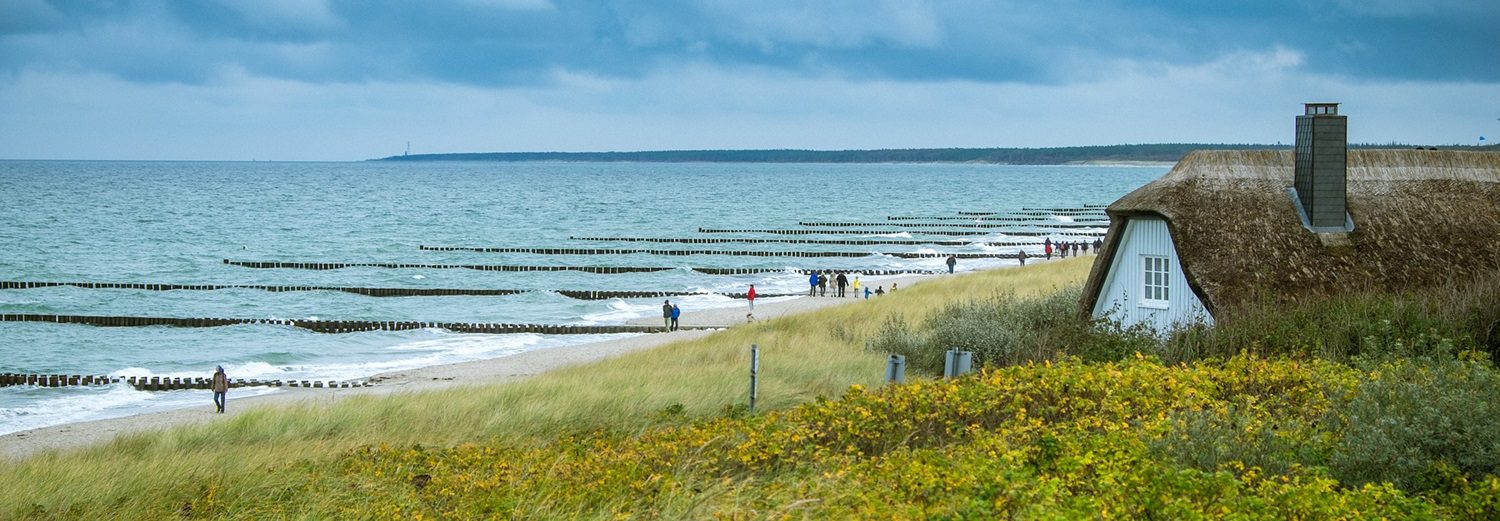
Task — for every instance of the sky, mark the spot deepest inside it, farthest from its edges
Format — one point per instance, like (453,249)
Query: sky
(352,80)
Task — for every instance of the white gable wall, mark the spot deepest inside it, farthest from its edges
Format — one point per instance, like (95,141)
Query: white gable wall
(1123,295)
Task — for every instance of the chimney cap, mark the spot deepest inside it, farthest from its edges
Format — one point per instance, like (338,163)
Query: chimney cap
(1322,109)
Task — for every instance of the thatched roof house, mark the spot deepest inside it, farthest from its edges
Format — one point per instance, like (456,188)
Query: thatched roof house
(1420,217)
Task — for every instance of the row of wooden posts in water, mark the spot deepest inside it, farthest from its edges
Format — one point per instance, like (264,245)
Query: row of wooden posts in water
(587,269)
(158,383)
(376,292)
(839,242)
(852,231)
(834,224)
(1102,219)
(335,326)
(743,253)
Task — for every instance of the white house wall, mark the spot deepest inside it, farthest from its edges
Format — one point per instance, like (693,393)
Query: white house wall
(1120,294)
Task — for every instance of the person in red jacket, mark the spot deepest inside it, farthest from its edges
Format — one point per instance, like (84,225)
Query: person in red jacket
(750,297)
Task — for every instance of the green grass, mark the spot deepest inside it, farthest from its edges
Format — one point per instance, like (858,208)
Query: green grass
(272,453)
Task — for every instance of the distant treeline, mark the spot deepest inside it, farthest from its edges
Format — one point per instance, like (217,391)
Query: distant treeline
(1168,152)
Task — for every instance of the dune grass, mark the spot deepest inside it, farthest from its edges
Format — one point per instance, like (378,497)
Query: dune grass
(272,453)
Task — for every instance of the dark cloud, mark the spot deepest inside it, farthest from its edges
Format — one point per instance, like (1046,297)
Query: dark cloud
(519,42)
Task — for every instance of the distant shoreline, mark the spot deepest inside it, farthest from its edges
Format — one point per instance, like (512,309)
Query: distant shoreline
(1165,154)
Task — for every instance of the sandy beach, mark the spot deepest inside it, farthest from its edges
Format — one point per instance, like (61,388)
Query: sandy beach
(20,445)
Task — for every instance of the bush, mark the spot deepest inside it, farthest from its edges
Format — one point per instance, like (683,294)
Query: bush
(1340,327)
(1238,438)
(1414,421)
(1007,330)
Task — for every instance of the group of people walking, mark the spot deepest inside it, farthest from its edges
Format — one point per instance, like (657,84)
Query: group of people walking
(670,313)
(1064,248)
(818,282)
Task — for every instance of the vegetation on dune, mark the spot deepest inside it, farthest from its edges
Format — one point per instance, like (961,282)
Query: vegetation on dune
(1356,407)
(247,458)
(1125,440)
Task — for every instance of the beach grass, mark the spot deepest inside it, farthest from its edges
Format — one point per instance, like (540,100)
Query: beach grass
(272,453)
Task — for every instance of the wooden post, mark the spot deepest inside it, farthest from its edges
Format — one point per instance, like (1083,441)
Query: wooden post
(754,374)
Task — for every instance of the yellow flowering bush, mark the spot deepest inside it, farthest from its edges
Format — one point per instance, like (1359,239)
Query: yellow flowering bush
(1041,441)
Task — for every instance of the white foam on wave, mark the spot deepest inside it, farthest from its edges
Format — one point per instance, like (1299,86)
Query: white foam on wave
(454,348)
(1063,218)
(620,310)
(900,235)
(75,404)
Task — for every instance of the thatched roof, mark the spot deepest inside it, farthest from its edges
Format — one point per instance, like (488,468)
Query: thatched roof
(1421,218)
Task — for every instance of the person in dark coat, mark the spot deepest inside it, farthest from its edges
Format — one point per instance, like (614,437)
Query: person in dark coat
(952,261)
(823,284)
(220,387)
(841,281)
(1021,256)
(666,313)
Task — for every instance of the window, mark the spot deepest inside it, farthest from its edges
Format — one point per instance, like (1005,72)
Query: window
(1154,287)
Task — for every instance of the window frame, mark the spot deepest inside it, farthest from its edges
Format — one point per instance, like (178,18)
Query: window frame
(1163,277)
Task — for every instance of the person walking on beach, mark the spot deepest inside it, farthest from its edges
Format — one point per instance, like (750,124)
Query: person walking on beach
(1021,256)
(856,286)
(1047,248)
(220,387)
(952,261)
(893,287)
(812,285)
(666,313)
(842,282)
(879,290)
(750,297)
(823,284)
(1097,244)
(867,293)
(676,312)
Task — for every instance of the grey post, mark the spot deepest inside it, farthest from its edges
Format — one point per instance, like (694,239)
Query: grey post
(895,370)
(754,373)
(957,363)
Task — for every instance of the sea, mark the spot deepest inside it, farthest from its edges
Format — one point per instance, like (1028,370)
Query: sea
(176,223)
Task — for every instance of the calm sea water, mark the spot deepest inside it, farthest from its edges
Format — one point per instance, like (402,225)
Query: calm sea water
(174,222)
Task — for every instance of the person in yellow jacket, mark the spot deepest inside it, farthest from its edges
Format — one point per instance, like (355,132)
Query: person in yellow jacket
(220,386)
(856,287)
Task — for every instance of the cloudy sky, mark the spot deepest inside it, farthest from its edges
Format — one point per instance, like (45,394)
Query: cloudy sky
(349,80)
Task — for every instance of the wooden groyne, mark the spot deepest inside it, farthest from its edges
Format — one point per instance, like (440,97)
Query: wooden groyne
(157,383)
(591,269)
(1051,224)
(850,231)
(334,326)
(591,251)
(373,292)
(838,242)
(980,218)
(479,267)
(745,253)
(1034,211)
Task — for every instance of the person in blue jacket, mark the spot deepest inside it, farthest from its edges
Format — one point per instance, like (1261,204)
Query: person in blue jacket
(676,312)
(812,285)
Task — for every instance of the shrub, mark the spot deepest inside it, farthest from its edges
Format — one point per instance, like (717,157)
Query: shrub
(1238,438)
(1006,330)
(1413,420)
